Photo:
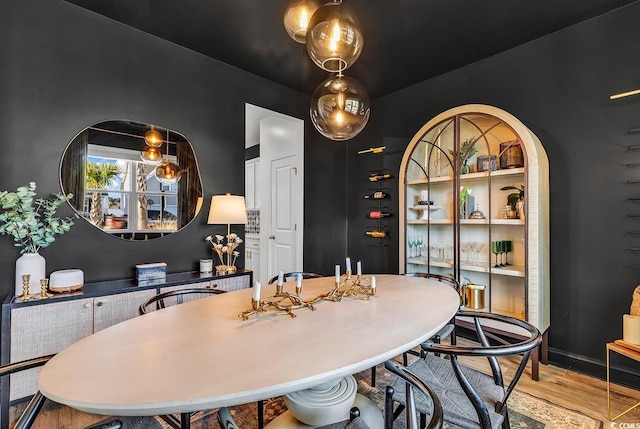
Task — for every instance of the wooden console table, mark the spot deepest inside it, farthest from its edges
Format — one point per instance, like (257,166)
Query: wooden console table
(41,327)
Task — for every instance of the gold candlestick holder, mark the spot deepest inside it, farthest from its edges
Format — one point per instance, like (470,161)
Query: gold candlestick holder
(353,287)
(44,284)
(26,278)
(281,301)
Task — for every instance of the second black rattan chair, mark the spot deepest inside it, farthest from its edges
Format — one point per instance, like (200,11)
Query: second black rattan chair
(174,297)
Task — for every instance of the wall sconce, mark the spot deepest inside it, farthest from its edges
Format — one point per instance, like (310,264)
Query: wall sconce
(297,16)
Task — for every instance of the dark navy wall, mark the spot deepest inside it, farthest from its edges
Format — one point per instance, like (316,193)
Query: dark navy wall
(559,86)
(64,68)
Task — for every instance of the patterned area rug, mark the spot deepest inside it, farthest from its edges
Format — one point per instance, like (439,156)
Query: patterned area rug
(525,411)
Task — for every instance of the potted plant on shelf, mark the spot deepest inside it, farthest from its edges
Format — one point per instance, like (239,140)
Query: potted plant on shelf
(467,150)
(516,199)
(33,225)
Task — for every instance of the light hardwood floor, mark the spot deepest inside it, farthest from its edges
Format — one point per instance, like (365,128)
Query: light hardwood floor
(566,388)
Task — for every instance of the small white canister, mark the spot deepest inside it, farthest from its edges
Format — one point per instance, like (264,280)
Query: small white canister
(206,266)
(66,280)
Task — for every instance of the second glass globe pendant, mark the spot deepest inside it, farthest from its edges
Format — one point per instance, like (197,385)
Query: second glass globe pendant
(334,38)
(340,108)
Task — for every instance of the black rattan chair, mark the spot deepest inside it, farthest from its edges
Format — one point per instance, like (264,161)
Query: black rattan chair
(294,275)
(447,330)
(471,398)
(412,383)
(30,413)
(174,297)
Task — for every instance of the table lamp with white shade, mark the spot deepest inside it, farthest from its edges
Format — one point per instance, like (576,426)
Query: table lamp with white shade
(227,209)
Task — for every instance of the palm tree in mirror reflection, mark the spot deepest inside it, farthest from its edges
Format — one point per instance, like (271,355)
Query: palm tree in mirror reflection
(100,175)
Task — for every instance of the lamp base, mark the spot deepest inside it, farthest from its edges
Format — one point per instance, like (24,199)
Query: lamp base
(222,270)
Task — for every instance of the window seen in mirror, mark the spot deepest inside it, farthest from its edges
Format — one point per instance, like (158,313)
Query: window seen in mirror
(122,193)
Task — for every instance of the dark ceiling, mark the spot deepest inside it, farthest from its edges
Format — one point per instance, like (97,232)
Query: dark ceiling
(406,41)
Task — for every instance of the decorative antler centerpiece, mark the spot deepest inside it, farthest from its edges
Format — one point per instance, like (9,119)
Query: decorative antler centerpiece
(350,286)
(281,301)
(286,303)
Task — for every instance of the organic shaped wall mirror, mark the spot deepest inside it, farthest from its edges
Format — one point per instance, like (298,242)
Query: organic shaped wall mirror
(132,180)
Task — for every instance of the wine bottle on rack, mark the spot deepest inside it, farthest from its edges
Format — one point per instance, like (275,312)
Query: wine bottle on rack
(376,196)
(376,214)
(376,234)
(374,177)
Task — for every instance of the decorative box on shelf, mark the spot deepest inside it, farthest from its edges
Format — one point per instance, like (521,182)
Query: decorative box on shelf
(146,272)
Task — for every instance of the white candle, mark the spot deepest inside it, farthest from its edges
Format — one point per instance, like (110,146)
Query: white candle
(280,278)
(359,268)
(348,264)
(373,283)
(337,273)
(256,291)
(299,282)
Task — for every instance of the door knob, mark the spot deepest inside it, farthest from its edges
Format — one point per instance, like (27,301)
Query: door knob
(272,237)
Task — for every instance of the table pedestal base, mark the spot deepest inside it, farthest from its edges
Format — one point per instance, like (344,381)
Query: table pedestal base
(369,412)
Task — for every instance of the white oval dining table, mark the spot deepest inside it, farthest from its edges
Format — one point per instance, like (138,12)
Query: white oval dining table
(200,355)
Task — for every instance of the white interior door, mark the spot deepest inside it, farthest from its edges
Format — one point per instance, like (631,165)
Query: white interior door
(281,195)
(282,241)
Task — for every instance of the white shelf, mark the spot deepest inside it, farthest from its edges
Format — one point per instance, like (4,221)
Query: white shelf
(469,176)
(474,221)
(512,271)
(430,222)
(497,221)
(426,207)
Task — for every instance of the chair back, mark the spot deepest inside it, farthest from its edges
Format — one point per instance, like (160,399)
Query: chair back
(294,275)
(492,345)
(174,297)
(445,279)
(413,383)
(30,413)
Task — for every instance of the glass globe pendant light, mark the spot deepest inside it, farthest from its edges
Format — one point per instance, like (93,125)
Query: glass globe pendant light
(340,108)
(151,155)
(334,39)
(297,16)
(153,138)
(168,172)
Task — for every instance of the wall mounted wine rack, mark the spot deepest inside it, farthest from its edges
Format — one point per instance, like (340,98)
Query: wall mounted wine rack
(379,211)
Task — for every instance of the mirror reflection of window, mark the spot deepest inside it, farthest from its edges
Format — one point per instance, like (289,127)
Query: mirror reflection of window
(110,188)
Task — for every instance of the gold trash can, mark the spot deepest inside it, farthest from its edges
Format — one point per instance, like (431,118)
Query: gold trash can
(474,296)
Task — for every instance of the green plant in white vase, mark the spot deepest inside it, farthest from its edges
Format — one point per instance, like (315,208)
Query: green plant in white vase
(33,225)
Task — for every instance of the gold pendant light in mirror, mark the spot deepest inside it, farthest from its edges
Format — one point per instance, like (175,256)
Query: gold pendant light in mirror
(340,108)
(297,16)
(153,138)
(151,155)
(168,172)
(334,38)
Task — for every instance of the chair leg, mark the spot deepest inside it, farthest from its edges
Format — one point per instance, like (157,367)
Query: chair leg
(373,376)
(388,408)
(185,420)
(260,414)
(31,412)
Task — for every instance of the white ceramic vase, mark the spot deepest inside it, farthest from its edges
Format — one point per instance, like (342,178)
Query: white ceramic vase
(34,264)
